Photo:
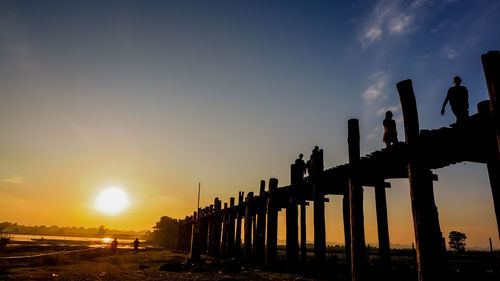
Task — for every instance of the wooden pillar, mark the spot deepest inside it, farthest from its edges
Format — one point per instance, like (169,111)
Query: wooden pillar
(346,210)
(217,219)
(382,226)
(431,264)
(272,223)
(319,208)
(303,237)
(292,230)
(203,231)
(224,231)
(211,226)
(248,226)
(491,66)
(358,259)
(230,229)
(240,214)
(319,226)
(195,237)
(260,251)
(254,228)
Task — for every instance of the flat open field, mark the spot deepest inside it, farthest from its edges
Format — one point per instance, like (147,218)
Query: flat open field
(86,263)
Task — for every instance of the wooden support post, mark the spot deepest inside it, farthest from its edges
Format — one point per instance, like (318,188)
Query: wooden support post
(431,264)
(382,227)
(358,266)
(203,231)
(272,223)
(319,227)
(248,226)
(211,227)
(224,231)
(491,66)
(346,210)
(254,229)
(217,218)
(292,230)
(230,229)
(240,214)
(195,238)
(319,207)
(303,237)
(260,251)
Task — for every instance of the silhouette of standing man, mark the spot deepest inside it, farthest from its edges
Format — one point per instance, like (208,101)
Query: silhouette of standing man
(390,133)
(301,166)
(114,245)
(458,97)
(136,245)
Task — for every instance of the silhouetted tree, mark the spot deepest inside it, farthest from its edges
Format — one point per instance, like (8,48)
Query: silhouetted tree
(165,232)
(101,232)
(457,241)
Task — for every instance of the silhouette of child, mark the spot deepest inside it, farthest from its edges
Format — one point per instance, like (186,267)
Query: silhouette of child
(390,132)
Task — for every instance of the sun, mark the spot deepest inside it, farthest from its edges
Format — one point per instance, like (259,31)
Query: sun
(112,200)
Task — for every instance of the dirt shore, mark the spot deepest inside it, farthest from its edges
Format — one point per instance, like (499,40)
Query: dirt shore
(145,265)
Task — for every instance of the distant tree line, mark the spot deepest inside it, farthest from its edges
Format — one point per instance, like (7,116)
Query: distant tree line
(102,231)
(165,232)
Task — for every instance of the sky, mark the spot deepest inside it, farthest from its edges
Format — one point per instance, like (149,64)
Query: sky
(157,96)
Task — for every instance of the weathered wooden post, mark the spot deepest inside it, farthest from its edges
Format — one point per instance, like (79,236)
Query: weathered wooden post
(346,211)
(292,230)
(382,226)
(211,227)
(224,231)
(319,207)
(491,66)
(272,223)
(195,237)
(240,214)
(217,218)
(204,233)
(431,264)
(358,260)
(303,237)
(260,250)
(230,229)
(248,226)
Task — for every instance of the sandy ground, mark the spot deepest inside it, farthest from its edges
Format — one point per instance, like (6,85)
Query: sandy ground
(126,265)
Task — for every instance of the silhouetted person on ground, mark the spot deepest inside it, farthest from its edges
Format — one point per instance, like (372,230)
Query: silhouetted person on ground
(390,132)
(136,245)
(458,97)
(300,166)
(114,245)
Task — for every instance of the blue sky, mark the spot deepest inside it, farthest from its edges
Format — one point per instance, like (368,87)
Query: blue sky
(160,95)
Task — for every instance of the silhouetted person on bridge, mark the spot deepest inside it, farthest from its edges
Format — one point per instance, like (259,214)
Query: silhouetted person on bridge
(114,245)
(458,97)
(136,245)
(390,132)
(300,166)
(315,163)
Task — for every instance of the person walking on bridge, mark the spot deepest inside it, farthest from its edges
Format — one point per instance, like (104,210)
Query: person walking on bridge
(458,97)
(390,132)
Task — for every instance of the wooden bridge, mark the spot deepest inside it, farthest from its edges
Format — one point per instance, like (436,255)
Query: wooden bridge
(216,230)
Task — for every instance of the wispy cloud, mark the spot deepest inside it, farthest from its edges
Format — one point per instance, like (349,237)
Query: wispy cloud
(14,180)
(449,52)
(393,18)
(375,91)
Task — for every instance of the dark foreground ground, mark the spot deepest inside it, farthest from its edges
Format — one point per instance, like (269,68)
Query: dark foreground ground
(157,264)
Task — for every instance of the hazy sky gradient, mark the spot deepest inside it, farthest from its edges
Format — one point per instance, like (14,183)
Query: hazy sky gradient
(157,96)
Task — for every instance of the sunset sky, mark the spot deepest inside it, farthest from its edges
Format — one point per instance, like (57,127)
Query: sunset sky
(156,96)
